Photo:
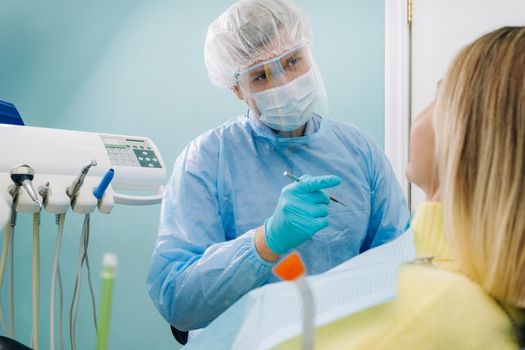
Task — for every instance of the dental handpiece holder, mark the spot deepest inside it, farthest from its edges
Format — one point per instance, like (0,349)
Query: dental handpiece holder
(22,176)
(58,159)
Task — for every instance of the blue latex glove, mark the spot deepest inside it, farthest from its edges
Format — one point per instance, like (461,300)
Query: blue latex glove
(301,211)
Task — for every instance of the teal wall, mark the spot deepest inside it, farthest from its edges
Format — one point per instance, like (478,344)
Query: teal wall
(135,67)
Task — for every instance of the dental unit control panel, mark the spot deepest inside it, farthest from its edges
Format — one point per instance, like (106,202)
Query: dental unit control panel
(56,156)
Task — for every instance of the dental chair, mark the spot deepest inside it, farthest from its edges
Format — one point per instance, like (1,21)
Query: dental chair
(10,344)
(180,336)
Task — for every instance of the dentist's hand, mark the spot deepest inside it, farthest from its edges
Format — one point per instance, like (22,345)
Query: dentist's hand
(301,211)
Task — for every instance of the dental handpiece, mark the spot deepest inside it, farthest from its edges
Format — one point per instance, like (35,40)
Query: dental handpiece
(72,190)
(44,192)
(22,175)
(296,179)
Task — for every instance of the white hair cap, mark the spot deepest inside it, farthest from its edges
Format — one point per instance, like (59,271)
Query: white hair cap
(251,31)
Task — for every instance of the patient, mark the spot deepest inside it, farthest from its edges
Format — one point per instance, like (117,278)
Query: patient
(468,151)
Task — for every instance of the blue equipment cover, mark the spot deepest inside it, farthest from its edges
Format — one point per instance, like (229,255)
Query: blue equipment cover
(9,114)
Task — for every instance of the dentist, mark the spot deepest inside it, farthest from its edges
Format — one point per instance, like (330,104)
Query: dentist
(228,212)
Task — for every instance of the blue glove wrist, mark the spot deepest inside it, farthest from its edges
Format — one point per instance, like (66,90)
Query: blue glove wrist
(270,239)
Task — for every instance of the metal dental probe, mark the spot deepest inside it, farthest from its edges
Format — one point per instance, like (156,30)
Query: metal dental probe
(295,178)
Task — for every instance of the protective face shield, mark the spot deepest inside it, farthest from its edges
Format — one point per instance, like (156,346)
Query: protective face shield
(286,89)
(277,71)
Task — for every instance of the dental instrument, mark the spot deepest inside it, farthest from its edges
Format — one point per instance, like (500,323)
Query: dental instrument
(44,192)
(22,175)
(72,190)
(296,179)
(98,192)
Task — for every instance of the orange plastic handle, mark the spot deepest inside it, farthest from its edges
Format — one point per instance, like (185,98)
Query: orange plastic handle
(290,268)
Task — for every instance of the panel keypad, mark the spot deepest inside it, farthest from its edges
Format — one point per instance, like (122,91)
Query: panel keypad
(130,152)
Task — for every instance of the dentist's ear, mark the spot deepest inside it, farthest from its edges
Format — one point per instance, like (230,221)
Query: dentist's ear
(237,90)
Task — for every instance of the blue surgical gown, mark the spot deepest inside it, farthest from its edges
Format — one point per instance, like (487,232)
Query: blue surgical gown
(227,182)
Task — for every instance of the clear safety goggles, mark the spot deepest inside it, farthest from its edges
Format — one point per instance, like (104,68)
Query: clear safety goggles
(276,71)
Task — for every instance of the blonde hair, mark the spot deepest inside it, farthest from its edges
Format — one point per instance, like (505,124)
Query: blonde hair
(480,142)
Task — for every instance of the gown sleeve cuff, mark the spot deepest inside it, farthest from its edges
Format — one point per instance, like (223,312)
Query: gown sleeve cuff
(263,265)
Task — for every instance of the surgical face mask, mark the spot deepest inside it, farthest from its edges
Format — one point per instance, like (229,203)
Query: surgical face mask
(289,106)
